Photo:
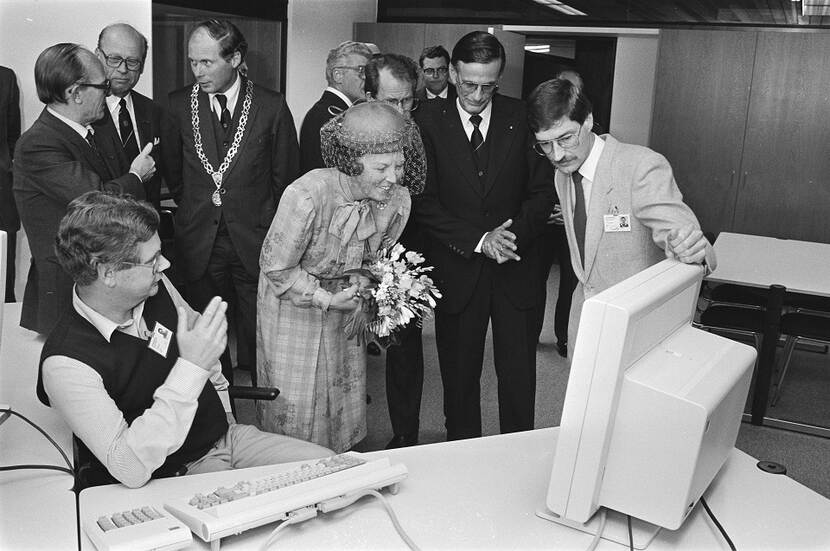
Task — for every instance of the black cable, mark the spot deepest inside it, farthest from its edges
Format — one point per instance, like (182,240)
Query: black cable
(41,467)
(43,432)
(715,520)
(630,535)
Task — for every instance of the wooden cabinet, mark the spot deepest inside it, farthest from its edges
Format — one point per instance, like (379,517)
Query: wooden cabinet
(743,117)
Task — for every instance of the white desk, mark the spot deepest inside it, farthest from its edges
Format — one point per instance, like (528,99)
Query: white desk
(483,493)
(37,507)
(757,261)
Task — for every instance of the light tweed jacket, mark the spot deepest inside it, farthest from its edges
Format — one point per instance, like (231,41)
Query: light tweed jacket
(634,180)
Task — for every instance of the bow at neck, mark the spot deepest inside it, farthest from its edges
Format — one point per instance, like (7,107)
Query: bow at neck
(349,218)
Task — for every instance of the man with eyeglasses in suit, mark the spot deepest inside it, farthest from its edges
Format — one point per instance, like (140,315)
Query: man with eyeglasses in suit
(60,158)
(435,63)
(486,200)
(393,79)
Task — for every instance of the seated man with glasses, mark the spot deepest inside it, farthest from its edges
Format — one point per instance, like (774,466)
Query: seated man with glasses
(435,63)
(621,207)
(59,158)
(131,367)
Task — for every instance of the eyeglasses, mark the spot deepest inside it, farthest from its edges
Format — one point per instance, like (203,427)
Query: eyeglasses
(433,71)
(153,263)
(105,86)
(468,88)
(405,104)
(115,61)
(361,69)
(565,142)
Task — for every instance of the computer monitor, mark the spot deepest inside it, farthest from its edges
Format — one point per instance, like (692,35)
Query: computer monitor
(652,408)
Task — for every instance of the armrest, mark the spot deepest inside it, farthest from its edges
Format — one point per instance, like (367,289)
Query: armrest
(253,393)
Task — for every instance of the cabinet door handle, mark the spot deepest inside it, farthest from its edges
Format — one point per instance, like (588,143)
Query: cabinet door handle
(731,179)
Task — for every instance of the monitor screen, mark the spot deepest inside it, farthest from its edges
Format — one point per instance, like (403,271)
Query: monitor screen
(653,405)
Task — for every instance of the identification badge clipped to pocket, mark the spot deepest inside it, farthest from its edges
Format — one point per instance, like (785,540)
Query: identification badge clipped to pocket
(160,340)
(617,222)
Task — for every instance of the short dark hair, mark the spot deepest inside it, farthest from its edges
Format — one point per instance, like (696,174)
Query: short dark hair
(478,47)
(432,52)
(401,67)
(57,68)
(102,228)
(554,99)
(141,36)
(230,38)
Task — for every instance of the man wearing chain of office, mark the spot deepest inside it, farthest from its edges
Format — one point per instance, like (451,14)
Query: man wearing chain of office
(238,150)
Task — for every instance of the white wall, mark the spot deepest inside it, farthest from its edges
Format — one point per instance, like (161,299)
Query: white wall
(314,28)
(634,72)
(27,27)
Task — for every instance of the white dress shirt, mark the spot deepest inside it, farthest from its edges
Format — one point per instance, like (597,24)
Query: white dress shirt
(588,170)
(232,95)
(114,106)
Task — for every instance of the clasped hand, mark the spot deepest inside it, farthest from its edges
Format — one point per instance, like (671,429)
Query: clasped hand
(203,338)
(500,244)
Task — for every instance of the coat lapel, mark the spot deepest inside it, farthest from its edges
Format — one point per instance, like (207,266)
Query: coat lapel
(143,121)
(603,184)
(459,146)
(500,134)
(206,130)
(80,144)
(249,125)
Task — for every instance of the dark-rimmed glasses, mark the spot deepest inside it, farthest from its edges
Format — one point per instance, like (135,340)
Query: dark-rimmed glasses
(105,86)
(433,71)
(115,61)
(405,104)
(569,141)
(468,88)
(361,69)
(153,263)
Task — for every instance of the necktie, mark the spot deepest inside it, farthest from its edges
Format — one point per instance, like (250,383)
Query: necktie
(476,139)
(90,139)
(125,127)
(580,217)
(225,117)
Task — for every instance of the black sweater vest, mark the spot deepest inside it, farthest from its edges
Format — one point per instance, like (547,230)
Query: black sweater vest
(132,372)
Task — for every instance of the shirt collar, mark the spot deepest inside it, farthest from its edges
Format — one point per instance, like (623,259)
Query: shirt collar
(79,128)
(340,95)
(231,93)
(113,102)
(441,94)
(104,325)
(589,167)
(485,115)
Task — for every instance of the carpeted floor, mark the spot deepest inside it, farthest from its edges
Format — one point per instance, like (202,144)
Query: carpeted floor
(805,399)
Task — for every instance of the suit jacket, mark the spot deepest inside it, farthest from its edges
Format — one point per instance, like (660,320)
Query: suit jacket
(53,165)
(451,93)
(457,207)
(633,180)
(327,106)
(266,162)
(152,121)
(9,133)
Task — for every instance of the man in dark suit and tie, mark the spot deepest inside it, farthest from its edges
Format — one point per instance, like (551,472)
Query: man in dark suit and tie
(237,151)
(9,133)
(435,63)
(486,200)
(60,158)
(134,118)
(345,66)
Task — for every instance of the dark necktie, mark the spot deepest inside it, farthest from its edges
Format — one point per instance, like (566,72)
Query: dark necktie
(580,217)
(476,139)
(225,117)
(125,127)
(90,139)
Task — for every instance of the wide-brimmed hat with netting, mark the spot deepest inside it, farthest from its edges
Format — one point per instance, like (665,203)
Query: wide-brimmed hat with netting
(374,127)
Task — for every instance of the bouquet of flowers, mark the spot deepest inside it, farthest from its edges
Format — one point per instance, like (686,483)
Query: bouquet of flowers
(399,291)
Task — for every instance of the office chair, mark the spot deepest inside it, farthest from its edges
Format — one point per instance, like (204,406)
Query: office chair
(89,471)
(802,324)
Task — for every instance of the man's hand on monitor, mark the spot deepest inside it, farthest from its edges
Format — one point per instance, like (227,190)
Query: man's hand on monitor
(686,244)
(203,341)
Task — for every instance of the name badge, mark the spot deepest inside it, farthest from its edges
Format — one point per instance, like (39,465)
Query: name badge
(160,340)
(617,222)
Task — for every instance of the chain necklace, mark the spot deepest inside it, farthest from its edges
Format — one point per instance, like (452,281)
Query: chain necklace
(237,139)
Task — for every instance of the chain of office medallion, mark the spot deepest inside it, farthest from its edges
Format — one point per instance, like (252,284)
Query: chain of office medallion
(237,139)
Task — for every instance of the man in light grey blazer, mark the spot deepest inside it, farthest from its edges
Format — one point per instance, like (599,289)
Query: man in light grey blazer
(621,207)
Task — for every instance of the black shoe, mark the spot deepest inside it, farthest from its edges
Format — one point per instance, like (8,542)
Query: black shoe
(401,441)
(373,349)
(562,348)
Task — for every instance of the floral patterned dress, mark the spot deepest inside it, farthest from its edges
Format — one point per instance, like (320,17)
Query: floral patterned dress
(319,232)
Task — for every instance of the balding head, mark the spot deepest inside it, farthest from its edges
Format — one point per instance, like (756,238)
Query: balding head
(122,50)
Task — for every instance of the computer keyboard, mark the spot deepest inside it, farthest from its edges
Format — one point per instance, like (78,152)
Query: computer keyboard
(321,485)
(139,529)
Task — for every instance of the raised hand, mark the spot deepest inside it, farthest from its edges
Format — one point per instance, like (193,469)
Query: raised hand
(202,341)
(144,165)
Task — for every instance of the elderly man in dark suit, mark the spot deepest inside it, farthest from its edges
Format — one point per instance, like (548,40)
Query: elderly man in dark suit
(134,118)
(486,200)
(60,158)
(10,125)
(237,149)
(345,66)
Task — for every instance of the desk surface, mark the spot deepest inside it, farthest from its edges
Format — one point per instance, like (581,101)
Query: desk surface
(757,261)
(483,493)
